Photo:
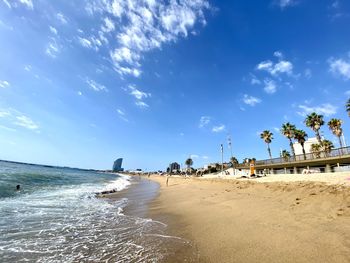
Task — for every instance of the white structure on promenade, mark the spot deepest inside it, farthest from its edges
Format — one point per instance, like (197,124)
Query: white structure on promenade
(307,146)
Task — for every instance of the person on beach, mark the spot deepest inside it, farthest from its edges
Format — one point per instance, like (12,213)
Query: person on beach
(167,180)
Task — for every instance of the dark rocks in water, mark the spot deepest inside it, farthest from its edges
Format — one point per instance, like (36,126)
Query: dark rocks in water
(105,192)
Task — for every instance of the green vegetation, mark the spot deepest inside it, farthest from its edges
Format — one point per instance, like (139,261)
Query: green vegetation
(301,137)
(288,130)
(314,121)
(267,136)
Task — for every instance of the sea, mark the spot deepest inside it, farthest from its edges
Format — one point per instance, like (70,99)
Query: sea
(56,217)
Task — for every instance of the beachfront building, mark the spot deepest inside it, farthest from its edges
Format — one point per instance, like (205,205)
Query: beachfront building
(117,165)
(173,167)
(307,146)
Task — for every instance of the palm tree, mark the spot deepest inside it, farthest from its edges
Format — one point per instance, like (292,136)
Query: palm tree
(327,147)
(285,155)
(301,136)
(348,107)
(234,161)
(315,121)
(335,126)
(315,148)
(189,163)
(267,137)
(288,130)
(246,161)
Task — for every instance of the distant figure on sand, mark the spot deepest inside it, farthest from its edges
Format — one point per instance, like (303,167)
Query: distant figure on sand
(18,187)
(167,180)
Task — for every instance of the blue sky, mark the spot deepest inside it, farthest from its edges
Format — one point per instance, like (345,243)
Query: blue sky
(85,82)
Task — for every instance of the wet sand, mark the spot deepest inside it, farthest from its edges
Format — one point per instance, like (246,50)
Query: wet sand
(248,221)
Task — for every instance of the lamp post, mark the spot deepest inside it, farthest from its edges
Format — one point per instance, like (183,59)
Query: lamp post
(222,159)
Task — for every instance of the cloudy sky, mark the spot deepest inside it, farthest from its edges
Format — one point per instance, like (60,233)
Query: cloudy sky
(153,81)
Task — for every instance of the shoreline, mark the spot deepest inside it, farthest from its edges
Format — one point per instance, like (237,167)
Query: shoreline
(250,221)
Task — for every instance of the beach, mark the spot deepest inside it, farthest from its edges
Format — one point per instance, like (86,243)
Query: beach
(276,219)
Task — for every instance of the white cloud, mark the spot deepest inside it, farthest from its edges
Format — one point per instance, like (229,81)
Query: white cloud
(275,69)
(283,67)
(265,65)
(53,30)
(109,25)
(147,25)
(138,94)
(120,112)
(219,128)
(85,42)
(286,3)
(326,109)
(250,100)
(270,86)
(122,115)
(254,80)
(278,54)
(26,122)
(204,121)
(308,73)
(7,128)
(4,84)
(27,3)
(205,157)
(141,104)
(340,67)
(28,68)
(95,86)
(61,18)
(5,26)
(52,49)
(7,3)
(14,3)
(92,42)
(4,113)
(80,93)
(194,156)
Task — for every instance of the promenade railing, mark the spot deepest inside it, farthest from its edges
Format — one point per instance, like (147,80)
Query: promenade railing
(339,152)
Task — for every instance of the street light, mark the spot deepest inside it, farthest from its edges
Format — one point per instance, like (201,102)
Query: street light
(222,159)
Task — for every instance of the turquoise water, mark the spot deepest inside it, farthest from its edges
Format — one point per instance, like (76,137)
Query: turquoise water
(55,217)
(33,178)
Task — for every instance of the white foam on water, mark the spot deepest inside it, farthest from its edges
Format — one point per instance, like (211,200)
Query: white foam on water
(119,184)
(68,224)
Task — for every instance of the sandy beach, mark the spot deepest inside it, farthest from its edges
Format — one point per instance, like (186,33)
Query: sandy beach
(275,220)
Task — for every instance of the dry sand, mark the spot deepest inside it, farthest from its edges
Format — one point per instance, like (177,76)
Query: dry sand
(247,221)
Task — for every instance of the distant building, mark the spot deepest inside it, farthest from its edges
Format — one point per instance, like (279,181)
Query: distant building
(117,165)
(307,146)
(173,167)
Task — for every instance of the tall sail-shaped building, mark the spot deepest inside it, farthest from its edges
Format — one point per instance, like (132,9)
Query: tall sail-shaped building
(117,165)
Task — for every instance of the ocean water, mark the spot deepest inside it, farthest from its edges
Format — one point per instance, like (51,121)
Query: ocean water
(55,217)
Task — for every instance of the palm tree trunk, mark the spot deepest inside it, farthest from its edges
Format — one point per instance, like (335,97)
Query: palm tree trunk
(340,142)
(269,150)
(302,146)
(341,145)
(318,136)
(292,148)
